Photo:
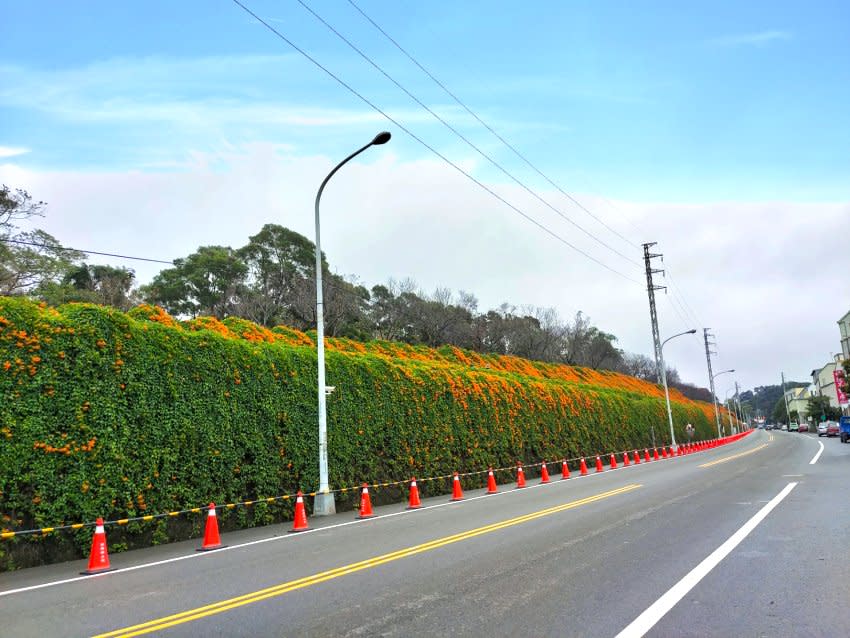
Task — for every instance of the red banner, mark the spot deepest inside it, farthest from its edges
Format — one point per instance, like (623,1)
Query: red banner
(840,387)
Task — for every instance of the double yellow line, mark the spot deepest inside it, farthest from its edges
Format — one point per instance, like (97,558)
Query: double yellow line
(734,456)
(315,579)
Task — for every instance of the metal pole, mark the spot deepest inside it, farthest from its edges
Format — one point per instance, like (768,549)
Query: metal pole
(324,503)
(653,314)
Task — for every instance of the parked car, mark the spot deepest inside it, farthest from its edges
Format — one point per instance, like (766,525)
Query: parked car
(794,427)
(803,427)
(769,426)
(822,428)
(832,428)
(784,428)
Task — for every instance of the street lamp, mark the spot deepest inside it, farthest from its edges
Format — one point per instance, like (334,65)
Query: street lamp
(323,503)
(664,378)
(714,399)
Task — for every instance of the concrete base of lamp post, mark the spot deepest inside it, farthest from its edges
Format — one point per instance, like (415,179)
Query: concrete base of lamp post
(324,504)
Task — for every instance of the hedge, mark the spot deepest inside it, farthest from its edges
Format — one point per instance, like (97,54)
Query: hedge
(109,414)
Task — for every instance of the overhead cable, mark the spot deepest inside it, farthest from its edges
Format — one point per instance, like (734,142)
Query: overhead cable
(489,128)
(428,146)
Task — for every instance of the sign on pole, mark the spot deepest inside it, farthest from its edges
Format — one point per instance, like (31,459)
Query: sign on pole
(840,387)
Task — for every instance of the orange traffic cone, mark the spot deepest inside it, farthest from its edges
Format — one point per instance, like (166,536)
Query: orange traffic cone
(663,452)
(599,467)
(491,482)
(565,470)
(636,457)
(613,461)
(655,454)
(415,503)
(365,503)
(520,476)
(647,457)
(457,493)
(626,459)
(544,473)
(99,556)
(299,524)
(583,467)
(211,539)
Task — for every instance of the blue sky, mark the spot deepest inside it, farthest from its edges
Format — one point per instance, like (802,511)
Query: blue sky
(696,101)
(717,129)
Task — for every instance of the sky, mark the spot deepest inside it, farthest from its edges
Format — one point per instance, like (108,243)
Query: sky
(718,130)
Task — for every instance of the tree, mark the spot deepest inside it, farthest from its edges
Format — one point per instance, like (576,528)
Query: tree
(104,285)
(207,282)
(820,409)
(28,259)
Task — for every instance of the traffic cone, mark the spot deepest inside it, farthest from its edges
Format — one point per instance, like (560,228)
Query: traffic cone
(565,470)
(211,539)
(663,452)
(647,457)
(99,556)
(544,473)
(583,467)
(491,482)
(636,457)
(299,523)
(520,476)
(599,467)
(415,503)
(626,459)
(655,454)
(365,503)
(457,493)
(613,461)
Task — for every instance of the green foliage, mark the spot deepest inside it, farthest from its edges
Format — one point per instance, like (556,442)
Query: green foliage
(115,415)
(820,407)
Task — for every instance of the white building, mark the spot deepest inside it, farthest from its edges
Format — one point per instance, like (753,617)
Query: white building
(844,328)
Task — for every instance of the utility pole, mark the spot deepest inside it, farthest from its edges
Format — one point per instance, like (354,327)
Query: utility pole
(708,353)
(738,405)
(785,396)
(653,314)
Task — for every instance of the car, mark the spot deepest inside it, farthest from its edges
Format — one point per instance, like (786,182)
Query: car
(803,427)
(769,426)
(784,428)
(832,428)
(822,426)
(794,427)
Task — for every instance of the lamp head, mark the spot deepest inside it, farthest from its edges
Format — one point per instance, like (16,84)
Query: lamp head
(692,331)
(382,138)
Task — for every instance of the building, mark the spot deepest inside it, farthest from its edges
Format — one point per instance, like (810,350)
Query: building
(798,400)
(844,329)
(824,383)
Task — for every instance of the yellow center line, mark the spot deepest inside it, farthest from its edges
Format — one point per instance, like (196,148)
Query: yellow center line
(734,456)
(307,581)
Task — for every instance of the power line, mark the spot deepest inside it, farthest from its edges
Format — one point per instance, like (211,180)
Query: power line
(426,145)
(88,252)
(488,127)
(507,173)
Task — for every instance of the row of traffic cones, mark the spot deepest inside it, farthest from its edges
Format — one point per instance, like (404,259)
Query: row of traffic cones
(99,555)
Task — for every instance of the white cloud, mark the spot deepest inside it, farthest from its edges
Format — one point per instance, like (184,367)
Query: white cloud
(12,151)
(769,278)
(760,38)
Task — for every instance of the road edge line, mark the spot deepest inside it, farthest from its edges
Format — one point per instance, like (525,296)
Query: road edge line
(817,456)
(655,612)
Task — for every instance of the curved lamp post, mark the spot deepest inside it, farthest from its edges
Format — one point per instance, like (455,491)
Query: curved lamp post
(714,398)
(323,503)
(664,378)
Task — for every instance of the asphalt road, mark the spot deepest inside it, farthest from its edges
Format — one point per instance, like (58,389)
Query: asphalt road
(583,557)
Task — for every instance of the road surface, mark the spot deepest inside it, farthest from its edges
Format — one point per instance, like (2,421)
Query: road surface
(748,539)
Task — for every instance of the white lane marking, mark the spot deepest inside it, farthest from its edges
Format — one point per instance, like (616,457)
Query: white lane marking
(655,612)
(175,559)
(817,456)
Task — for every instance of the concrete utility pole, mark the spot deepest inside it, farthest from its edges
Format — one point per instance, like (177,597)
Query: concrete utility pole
(785,396)
(739,412)
(653,314)
(708,353)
